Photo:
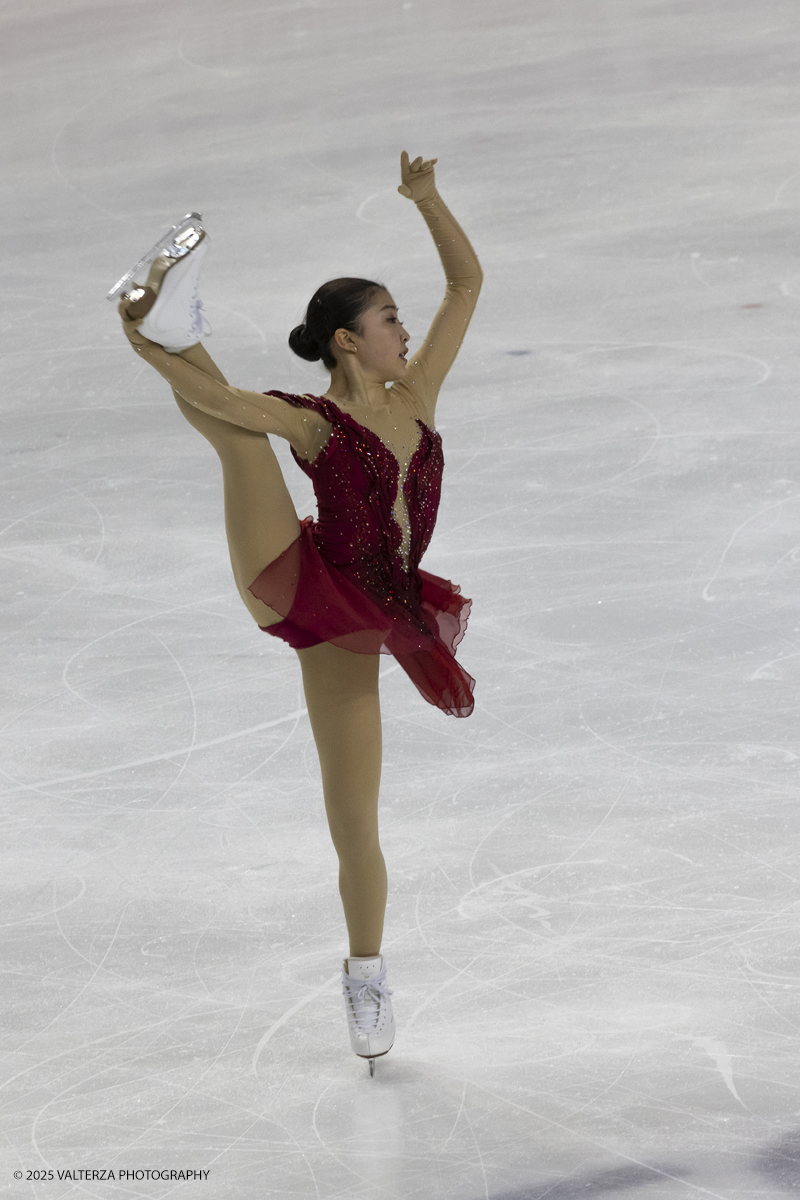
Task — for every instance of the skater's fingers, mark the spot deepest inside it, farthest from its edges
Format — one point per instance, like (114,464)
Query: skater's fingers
(131,325)
(127,319)
(420,169)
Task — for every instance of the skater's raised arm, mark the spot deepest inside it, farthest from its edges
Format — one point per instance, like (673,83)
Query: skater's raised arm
(304,429)
(428,367)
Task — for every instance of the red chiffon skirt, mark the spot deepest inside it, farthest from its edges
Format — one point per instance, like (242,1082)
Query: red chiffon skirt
(319,604)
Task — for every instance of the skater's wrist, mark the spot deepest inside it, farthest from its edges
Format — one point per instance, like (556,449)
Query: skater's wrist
(431,198)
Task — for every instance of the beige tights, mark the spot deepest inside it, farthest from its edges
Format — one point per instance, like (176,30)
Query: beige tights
(341,692)
(341,688)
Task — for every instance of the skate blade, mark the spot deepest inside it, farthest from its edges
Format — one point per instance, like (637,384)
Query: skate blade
(182,237)
(371,1058)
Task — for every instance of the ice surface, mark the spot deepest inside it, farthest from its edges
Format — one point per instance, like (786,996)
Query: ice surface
(593,922)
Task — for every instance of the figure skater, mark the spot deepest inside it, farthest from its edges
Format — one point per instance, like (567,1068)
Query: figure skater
(348,587)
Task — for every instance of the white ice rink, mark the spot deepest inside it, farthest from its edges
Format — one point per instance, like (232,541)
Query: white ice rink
(592,931)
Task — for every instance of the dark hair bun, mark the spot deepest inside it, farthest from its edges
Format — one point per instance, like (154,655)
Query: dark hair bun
(303,344)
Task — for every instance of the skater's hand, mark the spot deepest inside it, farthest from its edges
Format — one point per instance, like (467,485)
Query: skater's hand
(418,179)
(131,326)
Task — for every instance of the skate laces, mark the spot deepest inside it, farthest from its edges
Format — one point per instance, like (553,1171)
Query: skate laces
(365,998)
(196,309)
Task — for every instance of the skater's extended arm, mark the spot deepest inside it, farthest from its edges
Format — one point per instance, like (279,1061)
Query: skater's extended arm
(304,429)
(428,367)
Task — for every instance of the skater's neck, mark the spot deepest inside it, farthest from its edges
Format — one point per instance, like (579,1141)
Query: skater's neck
(353,387)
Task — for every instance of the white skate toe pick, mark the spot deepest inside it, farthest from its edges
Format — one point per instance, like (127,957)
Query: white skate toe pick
(369,1010)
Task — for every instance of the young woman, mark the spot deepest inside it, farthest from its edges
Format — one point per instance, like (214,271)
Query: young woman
(347,588)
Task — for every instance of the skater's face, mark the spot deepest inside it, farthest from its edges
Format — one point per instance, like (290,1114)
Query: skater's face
(380,345)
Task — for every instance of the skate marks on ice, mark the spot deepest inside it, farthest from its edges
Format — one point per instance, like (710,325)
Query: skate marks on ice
(603,1182)
(777,1165)
(780,1162)
(328,986)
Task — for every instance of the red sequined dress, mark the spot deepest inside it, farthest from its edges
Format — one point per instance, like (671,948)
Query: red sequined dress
(344,579)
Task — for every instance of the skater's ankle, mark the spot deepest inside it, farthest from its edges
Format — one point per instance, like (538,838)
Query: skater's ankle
(364,954)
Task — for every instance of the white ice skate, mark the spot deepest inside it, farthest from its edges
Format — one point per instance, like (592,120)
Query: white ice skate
(368,1007)
(170,271)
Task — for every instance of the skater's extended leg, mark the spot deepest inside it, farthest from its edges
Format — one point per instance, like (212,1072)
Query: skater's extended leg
(260,518)
(341,690)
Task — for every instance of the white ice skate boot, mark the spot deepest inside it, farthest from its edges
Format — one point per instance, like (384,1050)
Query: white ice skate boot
(369,1009)
(163,285)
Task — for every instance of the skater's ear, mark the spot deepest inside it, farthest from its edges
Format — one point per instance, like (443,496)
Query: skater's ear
(344,339)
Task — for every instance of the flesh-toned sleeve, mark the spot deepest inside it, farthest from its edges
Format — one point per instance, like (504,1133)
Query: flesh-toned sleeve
(429,365)
(303,428)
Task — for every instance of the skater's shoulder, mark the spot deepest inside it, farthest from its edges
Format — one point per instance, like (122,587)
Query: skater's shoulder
(305,401)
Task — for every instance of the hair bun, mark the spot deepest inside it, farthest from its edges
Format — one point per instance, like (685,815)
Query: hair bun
(303,344)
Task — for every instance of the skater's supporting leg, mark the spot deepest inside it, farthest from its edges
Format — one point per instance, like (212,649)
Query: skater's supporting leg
(341,692)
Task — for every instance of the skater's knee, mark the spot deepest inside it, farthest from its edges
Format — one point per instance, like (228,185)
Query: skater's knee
(354,831)
(357,848)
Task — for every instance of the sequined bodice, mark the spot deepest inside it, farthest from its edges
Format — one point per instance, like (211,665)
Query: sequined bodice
(375,518)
